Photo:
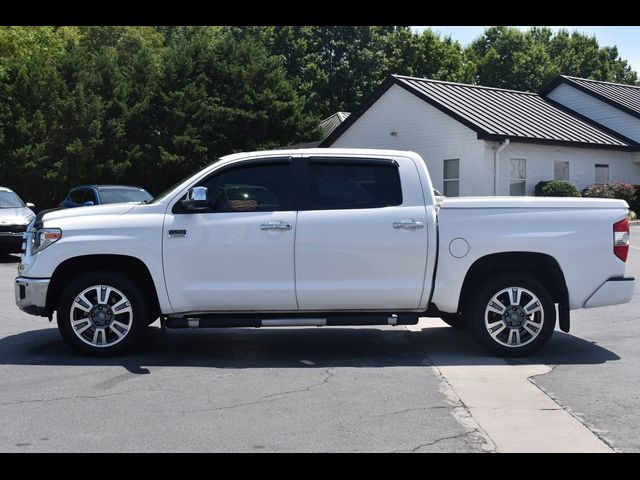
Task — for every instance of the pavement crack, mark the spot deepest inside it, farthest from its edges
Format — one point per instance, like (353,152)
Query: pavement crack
(561,406)
(273,397)
(461,412)
(75,397)
(406,410)
(429,444)
(328,375)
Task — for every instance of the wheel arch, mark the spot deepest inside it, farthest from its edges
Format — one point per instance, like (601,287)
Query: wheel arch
(543,267)
(133,267)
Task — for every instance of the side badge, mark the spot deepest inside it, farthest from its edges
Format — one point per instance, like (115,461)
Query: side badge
(177,233)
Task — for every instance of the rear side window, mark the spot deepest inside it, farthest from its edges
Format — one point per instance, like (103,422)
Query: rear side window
(352,184)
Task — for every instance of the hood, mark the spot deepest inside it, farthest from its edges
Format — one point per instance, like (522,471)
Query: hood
(531,202)
(15,216)
(94,210)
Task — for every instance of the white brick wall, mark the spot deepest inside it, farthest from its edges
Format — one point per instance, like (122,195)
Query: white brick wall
(425,130)
(540,159)
(436,136)
(597,110)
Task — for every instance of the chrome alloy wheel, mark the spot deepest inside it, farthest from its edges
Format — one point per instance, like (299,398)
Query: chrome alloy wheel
(101,316)
(514,317)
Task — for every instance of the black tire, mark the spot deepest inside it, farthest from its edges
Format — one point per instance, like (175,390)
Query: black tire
(480,305)
(137,322)
(454,320)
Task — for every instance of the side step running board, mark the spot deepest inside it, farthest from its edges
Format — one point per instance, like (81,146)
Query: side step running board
(328,321)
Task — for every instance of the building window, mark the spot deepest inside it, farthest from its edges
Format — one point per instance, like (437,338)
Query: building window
(602,173)
(517,176)
(451,178)
(561,171)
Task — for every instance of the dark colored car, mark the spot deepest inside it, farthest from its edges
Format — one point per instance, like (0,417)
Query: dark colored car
(87,195)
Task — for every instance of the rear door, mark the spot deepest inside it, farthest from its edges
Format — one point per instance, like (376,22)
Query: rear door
(362,235)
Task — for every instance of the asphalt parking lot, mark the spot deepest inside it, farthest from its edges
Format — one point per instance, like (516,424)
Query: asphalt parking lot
(315,389)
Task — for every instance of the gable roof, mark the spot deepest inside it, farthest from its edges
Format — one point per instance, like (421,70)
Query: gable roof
(330,123)
(621,96)
(497,114)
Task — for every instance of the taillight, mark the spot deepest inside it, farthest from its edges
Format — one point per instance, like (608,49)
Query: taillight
(621,239)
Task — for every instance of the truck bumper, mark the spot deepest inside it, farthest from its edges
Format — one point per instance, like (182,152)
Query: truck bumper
(612,292)
(31,295)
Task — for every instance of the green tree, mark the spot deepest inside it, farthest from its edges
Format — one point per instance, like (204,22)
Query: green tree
(507,57)
(335,68)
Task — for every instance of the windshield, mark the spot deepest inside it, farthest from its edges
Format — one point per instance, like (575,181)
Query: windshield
(10,200)
(123,195)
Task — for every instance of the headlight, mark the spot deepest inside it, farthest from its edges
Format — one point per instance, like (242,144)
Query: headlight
(44,237)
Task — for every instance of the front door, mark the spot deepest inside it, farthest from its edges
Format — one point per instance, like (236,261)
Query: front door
(238,254)
(361,235)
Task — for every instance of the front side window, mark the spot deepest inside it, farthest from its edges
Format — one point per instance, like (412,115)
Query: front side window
(561,170)
(451,178)
(353,184)
(76,196)
(602,174)
(517,176)
(256,188)
(90,196)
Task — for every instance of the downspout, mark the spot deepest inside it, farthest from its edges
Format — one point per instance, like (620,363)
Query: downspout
(496,164)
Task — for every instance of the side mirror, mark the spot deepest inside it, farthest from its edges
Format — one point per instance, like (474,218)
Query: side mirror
(196,199)
(30,205)
(88,203)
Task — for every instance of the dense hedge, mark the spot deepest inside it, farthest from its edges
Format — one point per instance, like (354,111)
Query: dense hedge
(556,188)
(621,190)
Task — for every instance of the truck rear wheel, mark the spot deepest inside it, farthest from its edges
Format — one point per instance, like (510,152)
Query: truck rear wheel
(513,316)
(101,314)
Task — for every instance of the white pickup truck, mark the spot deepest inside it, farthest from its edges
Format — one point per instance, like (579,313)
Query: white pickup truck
(323,237)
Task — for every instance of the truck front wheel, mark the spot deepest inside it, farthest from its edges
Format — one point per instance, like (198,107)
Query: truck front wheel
(101,313)
(513,315)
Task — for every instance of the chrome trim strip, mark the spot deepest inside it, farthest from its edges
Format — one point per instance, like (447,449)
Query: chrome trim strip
(294,322)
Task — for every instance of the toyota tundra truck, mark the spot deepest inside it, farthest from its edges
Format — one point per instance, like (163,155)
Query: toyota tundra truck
(323,237)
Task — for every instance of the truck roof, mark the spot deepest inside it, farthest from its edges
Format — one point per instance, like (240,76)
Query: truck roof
(106,187)
(317,151)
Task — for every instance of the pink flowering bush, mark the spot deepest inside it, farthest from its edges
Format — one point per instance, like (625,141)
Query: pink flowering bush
(621,190)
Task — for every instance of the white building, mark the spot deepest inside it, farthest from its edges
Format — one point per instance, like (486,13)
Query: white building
(488,141)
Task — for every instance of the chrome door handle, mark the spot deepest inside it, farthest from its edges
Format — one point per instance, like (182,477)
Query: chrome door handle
(408,224)
(276,226)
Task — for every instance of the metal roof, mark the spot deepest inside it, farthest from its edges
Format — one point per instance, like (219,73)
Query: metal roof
(624,97)
(496,113)
(330,123)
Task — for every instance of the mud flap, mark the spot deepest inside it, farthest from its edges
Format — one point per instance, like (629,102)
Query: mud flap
(564,317)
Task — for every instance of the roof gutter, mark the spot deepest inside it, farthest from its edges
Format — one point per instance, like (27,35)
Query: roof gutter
(496,164)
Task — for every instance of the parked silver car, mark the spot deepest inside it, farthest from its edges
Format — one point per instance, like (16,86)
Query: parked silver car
(15,215)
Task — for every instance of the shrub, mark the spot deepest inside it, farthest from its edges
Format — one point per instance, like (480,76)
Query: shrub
(635,203)
(556,188)
(620,190)
(539,187)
